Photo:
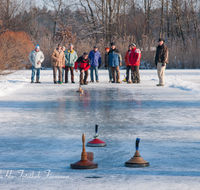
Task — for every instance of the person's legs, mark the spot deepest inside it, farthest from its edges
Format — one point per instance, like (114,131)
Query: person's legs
(129,69)
(91,74)
(159,67)
(72,73)
(110,74)
(38,74)
(96,73)
(60,73)
(86,76)
(113,74)
(63,73)
(54,74)
(33,74)
(118,74)
(81,76)
(127,73)
(137,74)
(161,73)
(66,74)
(132,75)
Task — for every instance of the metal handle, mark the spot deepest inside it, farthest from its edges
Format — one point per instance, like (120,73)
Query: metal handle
(137,143)
(96,128)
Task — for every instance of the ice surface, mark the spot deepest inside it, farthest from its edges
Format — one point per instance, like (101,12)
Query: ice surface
(42,125)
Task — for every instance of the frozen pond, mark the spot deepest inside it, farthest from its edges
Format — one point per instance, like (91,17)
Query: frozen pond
(42,125)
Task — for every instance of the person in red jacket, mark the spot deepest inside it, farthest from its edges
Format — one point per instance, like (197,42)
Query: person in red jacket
(134,60)
(84,64)
(128,65)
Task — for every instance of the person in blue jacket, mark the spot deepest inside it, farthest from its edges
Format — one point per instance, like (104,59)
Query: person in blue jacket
(115,61)
(95,60)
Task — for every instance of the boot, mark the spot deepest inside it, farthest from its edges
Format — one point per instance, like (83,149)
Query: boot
(119,81)
(37,81)
(159,84)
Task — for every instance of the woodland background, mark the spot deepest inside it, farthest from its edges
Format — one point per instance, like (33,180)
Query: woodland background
(86,23)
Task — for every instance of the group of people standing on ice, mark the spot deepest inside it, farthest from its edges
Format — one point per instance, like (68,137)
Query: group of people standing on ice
(67,59)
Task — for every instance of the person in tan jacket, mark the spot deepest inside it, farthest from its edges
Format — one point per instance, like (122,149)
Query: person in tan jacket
(58,62)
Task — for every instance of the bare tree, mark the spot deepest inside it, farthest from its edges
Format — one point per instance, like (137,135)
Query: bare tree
(162,20)
(2,29)
(195,23)
(64,34)
(11,56)
(56,5)
(9,9)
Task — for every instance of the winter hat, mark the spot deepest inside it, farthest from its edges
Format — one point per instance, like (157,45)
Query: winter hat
(59,45)
(112,44)
(71,45)
(133,44)
(107,48)
(85,53)
(37,47)
(95,47)
(161,39)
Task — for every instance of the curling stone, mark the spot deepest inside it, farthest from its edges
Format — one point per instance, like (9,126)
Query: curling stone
(84,163)
(137,161)
(96,142)
(79,90)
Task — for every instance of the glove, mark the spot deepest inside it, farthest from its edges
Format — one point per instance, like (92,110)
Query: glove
(163,64)
(106,67)
(99,66)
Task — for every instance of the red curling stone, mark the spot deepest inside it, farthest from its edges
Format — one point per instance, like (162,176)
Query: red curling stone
(96,142)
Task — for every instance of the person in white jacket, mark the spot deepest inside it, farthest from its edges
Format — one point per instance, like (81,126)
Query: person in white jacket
(36,58)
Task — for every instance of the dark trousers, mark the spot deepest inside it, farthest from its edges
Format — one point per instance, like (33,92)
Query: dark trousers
(63,73)
(113,70)
(136,74)
(83,80)
(110,74)
(55,68)
(128,69)
(66,73)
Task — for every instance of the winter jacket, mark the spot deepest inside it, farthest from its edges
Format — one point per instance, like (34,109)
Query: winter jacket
(82,63)
(162,54)
(135,57)
(95,58)
(36,57)
(127,58)
(70,58)
(58,55)
(115,58)
(107,59)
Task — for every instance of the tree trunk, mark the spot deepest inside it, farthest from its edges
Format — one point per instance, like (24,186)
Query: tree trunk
(162,20)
